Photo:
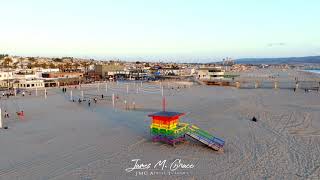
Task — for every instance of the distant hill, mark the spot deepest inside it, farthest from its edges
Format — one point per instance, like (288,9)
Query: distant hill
(289,60)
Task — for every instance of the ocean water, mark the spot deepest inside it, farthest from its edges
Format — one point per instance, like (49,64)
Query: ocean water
(313,71)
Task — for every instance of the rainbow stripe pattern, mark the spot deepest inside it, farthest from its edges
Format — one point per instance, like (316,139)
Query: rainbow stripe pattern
(166,128)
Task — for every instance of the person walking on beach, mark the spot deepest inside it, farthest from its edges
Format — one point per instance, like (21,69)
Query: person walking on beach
(79,100)
(20,115)
(102,96)
(23,93)
(95,100)
(6,115)
(89,103)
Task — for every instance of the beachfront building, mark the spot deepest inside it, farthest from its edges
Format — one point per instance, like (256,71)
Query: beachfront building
(91,76)
(136,74)
(109,70)
(53,79)
(187,71)
(40,71)
(62,75)
(210,73)
(122,74)
(6,75)
(5,78)
(24,74)
(28,84)
(170,71)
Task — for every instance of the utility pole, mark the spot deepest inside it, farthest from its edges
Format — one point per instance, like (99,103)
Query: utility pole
(113,100)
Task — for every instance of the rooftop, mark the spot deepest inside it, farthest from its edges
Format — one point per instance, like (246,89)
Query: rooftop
(210,68)
(166,114)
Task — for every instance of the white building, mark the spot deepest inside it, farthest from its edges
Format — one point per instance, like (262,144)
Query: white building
(210,73)
(4,76)
(38,73)
(170,71)
(24,74)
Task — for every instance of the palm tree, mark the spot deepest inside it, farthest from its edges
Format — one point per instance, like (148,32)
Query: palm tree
(36,64)
(61,67)
(57,60)
(51,65)
(44,65)
(2,56)
(76,65)
(31,59)
(85,65)
(68,65)
(6,62)
(15,65)
(29,66)
(20,62)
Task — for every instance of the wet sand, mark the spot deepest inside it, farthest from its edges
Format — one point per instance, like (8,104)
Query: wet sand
(60,139)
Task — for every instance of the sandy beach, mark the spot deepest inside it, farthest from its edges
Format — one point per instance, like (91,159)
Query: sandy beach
(160,90)
(61,139)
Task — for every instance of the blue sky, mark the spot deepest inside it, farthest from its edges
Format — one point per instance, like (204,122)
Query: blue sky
(161,29)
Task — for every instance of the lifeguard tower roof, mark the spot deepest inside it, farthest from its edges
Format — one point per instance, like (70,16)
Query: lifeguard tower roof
(166,114)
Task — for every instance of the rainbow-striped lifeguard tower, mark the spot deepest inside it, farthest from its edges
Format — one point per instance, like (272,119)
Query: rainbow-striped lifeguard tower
(165,127)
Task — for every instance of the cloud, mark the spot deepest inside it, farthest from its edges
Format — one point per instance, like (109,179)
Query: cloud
(276,44)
